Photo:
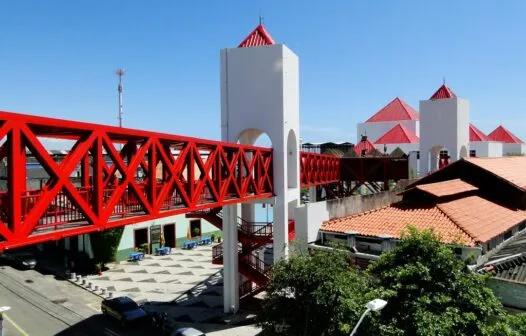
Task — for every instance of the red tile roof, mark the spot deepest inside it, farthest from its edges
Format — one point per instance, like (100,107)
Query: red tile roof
(446,188)
(396,110)
(503,135)
(364,145)
(258,37)
(393,221)
(509,168)
(397,135)
(468,220)
(443,93)
(476,135)
(482,219)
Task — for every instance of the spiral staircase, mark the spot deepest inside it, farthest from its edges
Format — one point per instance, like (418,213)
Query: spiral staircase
(252,236)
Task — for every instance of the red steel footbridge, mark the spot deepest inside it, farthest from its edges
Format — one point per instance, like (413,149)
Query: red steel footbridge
(95,185)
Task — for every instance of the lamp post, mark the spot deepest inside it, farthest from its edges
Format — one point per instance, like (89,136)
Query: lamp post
(2,311)
(374,305)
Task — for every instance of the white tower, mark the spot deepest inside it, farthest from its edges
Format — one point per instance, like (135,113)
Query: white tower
(260,94)
(444,129)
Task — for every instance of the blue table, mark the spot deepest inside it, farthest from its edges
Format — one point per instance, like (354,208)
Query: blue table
(205,241)
(162,251)
(189,244)
(135,256)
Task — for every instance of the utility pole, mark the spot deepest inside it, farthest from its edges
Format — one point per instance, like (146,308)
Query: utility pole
(120,72)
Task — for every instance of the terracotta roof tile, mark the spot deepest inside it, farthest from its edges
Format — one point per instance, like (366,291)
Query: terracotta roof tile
(397,135)
(503,135)
(443,93)
(393,220)
(258,37)
(396,110)
(446,188)
(481,218)
(476,135)
(510,168)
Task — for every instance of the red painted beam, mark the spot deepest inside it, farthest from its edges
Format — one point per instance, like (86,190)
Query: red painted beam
(318,169)
(184,174)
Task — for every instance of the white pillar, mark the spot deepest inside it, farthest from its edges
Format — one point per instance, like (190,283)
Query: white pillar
(312,194)
(230,260)
(280,229)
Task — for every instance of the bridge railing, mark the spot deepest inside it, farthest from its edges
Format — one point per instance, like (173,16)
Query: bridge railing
(317,169)
(180,174)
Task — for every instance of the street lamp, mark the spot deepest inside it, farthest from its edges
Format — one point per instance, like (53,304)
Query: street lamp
(374,305)
(2,311)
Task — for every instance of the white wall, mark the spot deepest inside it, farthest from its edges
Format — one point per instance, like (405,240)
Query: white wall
(406,147)
(309,218)
(181,227)
(444,123)
(513,148)
(486,148)
(374,130)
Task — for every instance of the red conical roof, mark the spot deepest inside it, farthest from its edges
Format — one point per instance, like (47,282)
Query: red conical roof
(443,93)
(398,135)
(364,145)
(396,110)
(503,135)
(258,37)
(476,135)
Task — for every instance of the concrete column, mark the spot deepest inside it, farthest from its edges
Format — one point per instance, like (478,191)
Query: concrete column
(230,260)
(281,228)
(351,240)
(312,194)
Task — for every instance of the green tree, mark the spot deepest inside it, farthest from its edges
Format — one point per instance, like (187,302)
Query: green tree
(105,244)
(508,325)
(430,291)
(314,294)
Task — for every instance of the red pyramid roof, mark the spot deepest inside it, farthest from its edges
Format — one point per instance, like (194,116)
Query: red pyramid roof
(476,135)
(364,145)
(398,134)
(396,110)
(258,37)
(443,93)
(503,135)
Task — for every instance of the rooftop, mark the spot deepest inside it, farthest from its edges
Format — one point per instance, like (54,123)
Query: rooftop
(503,135)
(397,135)
(396,110)
(509,168)
(443,93)
(446,188)
(258,37)
(476,135)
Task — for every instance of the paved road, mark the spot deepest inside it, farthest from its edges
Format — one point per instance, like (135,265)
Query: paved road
(41,305)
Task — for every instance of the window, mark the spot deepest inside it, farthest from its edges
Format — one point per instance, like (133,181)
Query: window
(340,236)
(363,152)
(472,153)
(418,155)
(508,235)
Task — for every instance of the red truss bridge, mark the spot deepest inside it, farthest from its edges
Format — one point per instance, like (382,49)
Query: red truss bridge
(96,186)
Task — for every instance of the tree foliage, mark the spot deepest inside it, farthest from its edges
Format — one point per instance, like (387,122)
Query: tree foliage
(316,294)
(430,291)
(105,244)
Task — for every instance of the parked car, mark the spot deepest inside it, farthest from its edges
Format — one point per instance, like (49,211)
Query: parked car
(187,332)
(21,260)
(123,309)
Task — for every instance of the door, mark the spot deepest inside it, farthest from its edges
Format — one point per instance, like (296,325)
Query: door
(169,235)
(140,237)
(195,228)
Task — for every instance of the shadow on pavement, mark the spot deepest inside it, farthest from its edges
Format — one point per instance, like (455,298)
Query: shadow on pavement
(100,325)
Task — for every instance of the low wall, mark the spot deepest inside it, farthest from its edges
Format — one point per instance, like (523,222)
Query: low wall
(510,293)
(310,216)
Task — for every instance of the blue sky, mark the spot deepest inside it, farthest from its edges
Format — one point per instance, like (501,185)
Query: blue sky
(57,59)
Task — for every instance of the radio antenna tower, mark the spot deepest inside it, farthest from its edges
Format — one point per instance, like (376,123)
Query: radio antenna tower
(120,72)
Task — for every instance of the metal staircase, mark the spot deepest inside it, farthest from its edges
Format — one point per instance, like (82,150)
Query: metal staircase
(251,236)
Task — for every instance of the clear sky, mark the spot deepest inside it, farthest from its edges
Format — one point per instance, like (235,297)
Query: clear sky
(57,58)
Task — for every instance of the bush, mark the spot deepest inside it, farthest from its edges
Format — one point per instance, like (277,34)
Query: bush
(105,243)
(196,232)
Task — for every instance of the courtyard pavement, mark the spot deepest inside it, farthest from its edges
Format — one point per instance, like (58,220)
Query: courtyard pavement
(184,284)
